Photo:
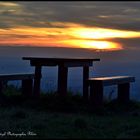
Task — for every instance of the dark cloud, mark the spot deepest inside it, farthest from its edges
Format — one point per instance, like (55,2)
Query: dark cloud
(128,43)
(119,15)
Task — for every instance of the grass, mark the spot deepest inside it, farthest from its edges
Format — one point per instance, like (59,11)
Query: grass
(51,117)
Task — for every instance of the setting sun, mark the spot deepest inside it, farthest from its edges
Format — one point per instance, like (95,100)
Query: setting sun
(89,44)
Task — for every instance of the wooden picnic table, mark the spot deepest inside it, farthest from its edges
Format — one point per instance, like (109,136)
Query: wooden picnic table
(63,65)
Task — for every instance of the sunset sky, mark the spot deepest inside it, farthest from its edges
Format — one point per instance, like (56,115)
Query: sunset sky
(86,24)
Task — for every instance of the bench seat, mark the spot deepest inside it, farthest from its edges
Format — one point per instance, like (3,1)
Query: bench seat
(108,81)
(15,76)
(27,82)
(97,84)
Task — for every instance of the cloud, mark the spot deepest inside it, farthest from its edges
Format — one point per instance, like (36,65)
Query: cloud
(119,15)
(11,4)
(59,16)
(9,7)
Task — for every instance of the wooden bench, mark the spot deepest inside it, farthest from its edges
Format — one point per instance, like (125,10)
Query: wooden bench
(97,84)
(27,82)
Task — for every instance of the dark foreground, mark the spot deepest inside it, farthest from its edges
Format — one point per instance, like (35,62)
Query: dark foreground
(52,117)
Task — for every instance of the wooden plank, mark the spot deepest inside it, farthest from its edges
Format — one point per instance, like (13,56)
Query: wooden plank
(75,63)
(68,62)
(60,59)
(107,81)
(16,76)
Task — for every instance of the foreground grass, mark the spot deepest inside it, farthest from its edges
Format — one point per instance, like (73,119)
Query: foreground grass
(50,117)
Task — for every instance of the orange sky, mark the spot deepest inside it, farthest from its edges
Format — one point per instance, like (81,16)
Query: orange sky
(66,25)
(73,35)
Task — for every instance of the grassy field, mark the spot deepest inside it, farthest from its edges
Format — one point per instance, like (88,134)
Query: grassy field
(52,117)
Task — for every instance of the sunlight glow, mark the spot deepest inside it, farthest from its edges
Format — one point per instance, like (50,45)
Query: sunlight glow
(70,35)
(100,45)
(100,33)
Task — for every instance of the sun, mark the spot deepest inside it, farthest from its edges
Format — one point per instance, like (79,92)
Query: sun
(91,44)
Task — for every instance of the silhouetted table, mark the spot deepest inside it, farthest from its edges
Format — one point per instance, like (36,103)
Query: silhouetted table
(63,64)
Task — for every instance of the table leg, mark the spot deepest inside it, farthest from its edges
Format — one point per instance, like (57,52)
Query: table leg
(37,80)
(62,80)
(85,84)
(123,92)
(27,89)
(96,95)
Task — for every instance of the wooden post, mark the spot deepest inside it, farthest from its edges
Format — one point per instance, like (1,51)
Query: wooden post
(27,87)
(123,92)
(85,84)
(62,80)
(1,87)
(37,80)
(96,94)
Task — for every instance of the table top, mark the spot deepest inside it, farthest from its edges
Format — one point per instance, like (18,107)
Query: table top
(47,61)
(61,59)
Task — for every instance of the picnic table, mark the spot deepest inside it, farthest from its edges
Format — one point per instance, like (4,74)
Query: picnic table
(63,65)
